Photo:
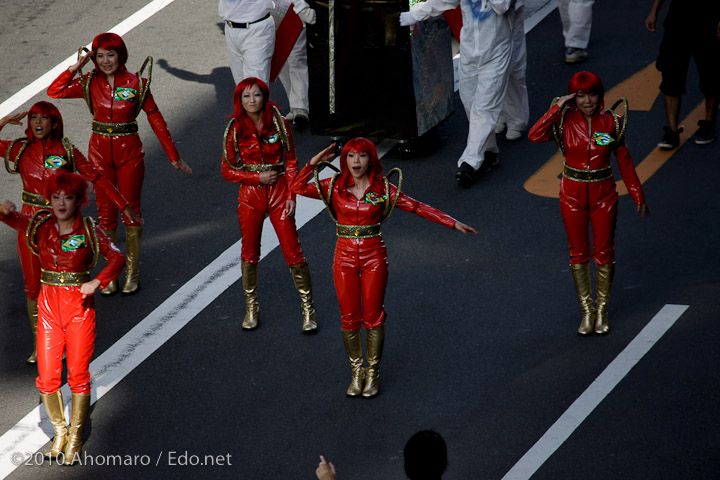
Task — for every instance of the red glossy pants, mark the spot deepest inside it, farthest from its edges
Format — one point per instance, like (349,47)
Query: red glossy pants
(586,206)
(65,322)
(360,280)
(128,176)
(254,204)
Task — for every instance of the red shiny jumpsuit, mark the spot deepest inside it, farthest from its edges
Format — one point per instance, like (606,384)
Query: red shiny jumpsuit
(594,204)
(119,158)
(39,160)
(256,200)
(65,319)
(360,267)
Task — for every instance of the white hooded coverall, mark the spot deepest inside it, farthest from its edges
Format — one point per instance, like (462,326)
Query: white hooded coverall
(485,49)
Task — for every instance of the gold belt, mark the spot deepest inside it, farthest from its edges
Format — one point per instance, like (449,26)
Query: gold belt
(264,167)
(63,279)
(115,129)
(587,176)
(358,231)
(34,199)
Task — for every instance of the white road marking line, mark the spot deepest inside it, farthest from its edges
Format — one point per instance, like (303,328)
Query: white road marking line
(595,393)
(39,85)
(532,21)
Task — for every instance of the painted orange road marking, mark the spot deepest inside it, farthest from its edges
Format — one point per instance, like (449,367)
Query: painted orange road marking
(641,91)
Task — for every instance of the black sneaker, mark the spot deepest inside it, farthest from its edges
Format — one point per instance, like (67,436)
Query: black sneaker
(670,139)
(466,175)
(706,132)
(491,161)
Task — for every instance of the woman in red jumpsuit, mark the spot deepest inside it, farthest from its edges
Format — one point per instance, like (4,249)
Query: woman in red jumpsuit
(68,246)
(588,197)
(259,153)
(358,198)
(42,153)
(115,98)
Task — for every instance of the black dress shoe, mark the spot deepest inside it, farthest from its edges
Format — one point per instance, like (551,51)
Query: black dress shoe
(301,120)
(491,161)
(466,175)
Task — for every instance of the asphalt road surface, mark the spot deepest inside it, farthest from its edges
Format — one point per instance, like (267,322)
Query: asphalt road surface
(481,343)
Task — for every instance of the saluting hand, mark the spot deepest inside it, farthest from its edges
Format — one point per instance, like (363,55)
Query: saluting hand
(15,119)
(564,99)
(81,62)
(324,156)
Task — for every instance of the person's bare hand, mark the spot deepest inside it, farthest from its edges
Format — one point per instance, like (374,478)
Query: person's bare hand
(325,470)
(14,119)
(132,215)
(643,210)
(564,99)
(88,288)
(7,207)
(464,229)
(81,62)
(268,177)
(182,166)
(651,22)
(325,155)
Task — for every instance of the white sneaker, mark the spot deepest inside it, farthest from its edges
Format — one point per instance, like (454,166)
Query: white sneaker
(575,55)
(499,128)
(290,116)
(513,135)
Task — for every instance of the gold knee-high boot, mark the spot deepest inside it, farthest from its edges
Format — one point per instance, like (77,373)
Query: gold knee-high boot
(133,244)
(353,347)
(112,287)
(252,307)
(78,417)
(32,310)
(303,284)
(605,274)
(56,412)
(581,276)
(375,343)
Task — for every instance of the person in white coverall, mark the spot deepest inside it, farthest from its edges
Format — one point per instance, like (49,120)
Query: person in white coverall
(515,113)
(576,18)
(250,37)
(485,48)
(294,74)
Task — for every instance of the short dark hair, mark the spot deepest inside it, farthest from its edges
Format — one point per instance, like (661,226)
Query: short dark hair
(425,456)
